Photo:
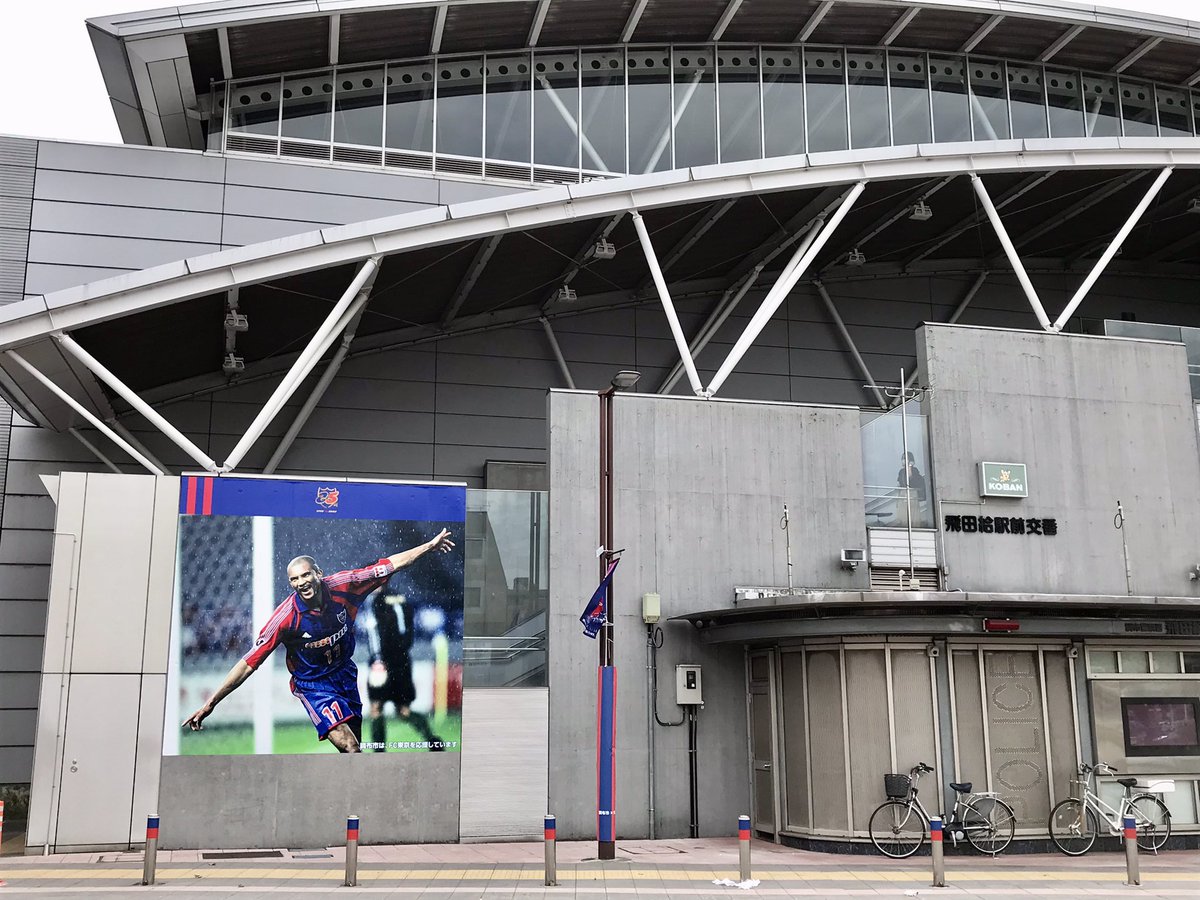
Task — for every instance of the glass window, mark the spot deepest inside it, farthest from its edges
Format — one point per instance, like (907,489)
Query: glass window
(602,106)
(741,119)
(358,107)
(989,106)
(868,99)
(212,110)
(508,107)
(308,107)
(1102,662)
(1134,662)
(649,110)
(894,492)
(951,115)
(825,96)
(1100,107)
(460,107)
(254,107)
(1191,663)
(1174,118)
(410,107)
(695,107)
(556,111)
(1137,108)
(783,102)
(1064,103)
(1164,661)
(910,99)
(1026,96)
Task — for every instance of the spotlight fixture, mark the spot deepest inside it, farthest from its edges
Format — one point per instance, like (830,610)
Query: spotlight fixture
(567,294)
(236,322)
(233,364)
(855,257)
(625,379)
(604,249)
(921,212)
(1194,205)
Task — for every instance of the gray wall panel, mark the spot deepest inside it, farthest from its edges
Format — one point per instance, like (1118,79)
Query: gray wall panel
(254,201)
(23,616)
(19,690)
(127,222)
(128,190)
(241,230)
(141,162)
(15,764)
(16,726)
(339,182)
(116,252)
(20,582)
(21,654)
(41,278)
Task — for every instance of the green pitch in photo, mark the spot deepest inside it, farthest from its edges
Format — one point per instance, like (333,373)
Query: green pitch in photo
(299,737)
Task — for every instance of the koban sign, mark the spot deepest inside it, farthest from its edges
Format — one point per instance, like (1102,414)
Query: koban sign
(1002,479)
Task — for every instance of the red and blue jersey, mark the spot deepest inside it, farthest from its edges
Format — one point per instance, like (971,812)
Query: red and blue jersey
(320,641)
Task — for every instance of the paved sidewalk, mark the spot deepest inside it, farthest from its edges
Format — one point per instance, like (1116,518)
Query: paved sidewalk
(679,868)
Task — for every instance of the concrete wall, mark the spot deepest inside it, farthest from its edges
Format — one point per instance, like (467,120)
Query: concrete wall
(1095,420)
(700,487)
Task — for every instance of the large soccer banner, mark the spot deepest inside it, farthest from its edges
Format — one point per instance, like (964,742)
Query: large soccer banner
(316,617)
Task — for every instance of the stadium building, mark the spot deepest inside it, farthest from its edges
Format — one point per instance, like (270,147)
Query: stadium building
(404,240)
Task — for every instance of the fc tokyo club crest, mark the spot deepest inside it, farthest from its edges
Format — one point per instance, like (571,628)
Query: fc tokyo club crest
(341,616)
(327,500)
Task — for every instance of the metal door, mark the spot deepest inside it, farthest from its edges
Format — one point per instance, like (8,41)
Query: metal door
(763,730)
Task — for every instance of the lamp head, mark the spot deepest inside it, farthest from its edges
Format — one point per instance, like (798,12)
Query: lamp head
(625,379)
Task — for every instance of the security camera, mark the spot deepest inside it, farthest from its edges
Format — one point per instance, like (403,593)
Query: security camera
(932,651)
(1072,653)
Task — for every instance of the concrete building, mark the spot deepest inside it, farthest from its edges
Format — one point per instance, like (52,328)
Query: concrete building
(827,234)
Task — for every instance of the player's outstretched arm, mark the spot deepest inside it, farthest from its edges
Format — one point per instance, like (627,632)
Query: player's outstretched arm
(441,543)
(239,673)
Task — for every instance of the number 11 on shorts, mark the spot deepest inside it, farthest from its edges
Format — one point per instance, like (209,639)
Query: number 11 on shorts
(332,712)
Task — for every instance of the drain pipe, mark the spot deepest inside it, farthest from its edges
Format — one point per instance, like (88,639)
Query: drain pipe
(650,723)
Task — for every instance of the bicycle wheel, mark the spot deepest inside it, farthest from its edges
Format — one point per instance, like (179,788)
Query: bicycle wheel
(1153,821)
(897,829)
(1073,827)
(989,823)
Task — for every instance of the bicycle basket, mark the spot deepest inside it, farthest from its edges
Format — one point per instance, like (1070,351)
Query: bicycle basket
(896,786)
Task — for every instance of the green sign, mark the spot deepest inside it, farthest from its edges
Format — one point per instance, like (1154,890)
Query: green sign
(1002,479)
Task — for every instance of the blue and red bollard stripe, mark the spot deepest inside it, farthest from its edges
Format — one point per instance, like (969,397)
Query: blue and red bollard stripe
(551,828)
(935,830)
(1130,828)
(352,828)
(152,828)
(743,828)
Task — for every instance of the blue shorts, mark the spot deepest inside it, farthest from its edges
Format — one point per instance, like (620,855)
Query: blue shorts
(330,703)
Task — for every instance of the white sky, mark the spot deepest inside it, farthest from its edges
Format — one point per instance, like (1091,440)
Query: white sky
(51,85)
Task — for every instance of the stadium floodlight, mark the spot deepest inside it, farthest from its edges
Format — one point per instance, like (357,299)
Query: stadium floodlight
(856,257)
(921,212)
(604,249)
(235,321)
(1194,205)
(567,294)
(233,364)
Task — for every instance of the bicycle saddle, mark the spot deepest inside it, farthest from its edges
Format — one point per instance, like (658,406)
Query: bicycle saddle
(964,788)
(1127,782)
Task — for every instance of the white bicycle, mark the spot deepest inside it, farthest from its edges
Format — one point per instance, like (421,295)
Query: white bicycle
(1075,823)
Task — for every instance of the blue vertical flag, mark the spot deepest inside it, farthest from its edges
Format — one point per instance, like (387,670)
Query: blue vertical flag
(593,613)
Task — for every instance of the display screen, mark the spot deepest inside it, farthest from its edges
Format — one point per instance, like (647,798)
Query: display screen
(315,617)
(1161,726)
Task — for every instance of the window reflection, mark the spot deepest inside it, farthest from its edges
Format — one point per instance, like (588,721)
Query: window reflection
(254,107)
(1064,103)
(695,108)
(649,111)
(1100,107)
(460,107)
(910,99)
(783,102)
(307,107)
(825,95)
(951,116)
(358,107)
(989,106)
(741,122)
(602,107)
(1173,116)
(1027,102)
(508,107)
(868,99)
(1137,108)
(556,110)
(410,107)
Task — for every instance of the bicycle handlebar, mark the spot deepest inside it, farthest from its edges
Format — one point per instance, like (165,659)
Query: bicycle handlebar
(921,768)
(1102,768)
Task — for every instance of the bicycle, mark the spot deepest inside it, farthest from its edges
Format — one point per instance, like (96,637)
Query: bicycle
(898,826)
(1074,823)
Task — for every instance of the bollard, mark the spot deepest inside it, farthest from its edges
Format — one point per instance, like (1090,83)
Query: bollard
(352,851)
(935,844)
(1,823)
(151,855)
(744,848)
(551,831)
(1132,876)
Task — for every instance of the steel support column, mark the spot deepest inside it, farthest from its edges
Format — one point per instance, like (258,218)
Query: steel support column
(1107,255)
(954,317)
(108,463)
(558,354)
(668,307)
(84,411)
(124,432)
(1011,252)
(840,324)
(795,268)
(173,434)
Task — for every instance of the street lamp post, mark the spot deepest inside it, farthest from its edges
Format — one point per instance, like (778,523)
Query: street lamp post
(606,806)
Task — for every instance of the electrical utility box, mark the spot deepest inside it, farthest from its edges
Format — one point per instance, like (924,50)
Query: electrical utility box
(687,686)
